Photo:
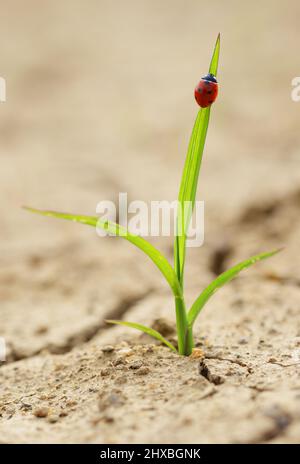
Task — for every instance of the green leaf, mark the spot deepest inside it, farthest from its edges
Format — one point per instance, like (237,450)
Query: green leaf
(189,180)
(153,333)
(213,68)
(159,260)
(221,280)
(187,193)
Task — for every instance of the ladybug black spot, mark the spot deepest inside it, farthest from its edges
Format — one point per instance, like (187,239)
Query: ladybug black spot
(199,90)
(209,92)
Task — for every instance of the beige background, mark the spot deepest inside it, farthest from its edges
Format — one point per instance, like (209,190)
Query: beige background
(100,100)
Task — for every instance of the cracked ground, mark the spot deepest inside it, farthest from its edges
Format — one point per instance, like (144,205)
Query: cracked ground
(100,102)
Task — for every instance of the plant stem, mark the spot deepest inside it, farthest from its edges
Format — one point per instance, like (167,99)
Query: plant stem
(189,341)
(184,333)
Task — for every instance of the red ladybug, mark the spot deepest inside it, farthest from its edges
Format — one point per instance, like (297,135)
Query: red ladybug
(206,91)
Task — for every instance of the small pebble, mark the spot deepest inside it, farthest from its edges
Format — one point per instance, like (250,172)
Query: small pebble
(136,365)
(71,403)
(144,370)
(53,418)
(26,406)
(197,353)
(120,367)
(108,349)
(42,329)
(41,412)
(106,371)
(125,352)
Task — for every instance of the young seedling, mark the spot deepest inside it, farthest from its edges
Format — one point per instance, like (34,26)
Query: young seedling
(174,276)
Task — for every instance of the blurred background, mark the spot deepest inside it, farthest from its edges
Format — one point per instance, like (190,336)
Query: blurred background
(100,101)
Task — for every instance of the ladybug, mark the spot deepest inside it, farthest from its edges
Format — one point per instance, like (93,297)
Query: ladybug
(206,91)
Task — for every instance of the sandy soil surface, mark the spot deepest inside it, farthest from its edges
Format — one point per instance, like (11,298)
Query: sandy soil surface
(99,101)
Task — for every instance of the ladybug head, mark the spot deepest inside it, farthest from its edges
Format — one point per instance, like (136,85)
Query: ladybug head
(210,78)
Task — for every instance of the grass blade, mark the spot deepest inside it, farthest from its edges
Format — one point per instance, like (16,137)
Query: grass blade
(189,180)
(221,280)
(153,333)
(187,193)
(213,68)
(159,260)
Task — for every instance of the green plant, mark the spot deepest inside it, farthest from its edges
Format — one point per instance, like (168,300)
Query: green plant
(174,276)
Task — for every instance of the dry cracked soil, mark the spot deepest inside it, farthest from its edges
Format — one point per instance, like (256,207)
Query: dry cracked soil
(99,102)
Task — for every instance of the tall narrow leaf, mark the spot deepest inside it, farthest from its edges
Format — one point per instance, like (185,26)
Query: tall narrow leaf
(189,180)
(213,68)
(221,280)
(159,260)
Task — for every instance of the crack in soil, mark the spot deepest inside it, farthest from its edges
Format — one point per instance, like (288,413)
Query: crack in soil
(284,365)
(233,361)
(219,256)
(205,371)
(281,423)
(216,379)
(254,214)
(86,334)
(260,389)
(281,419)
